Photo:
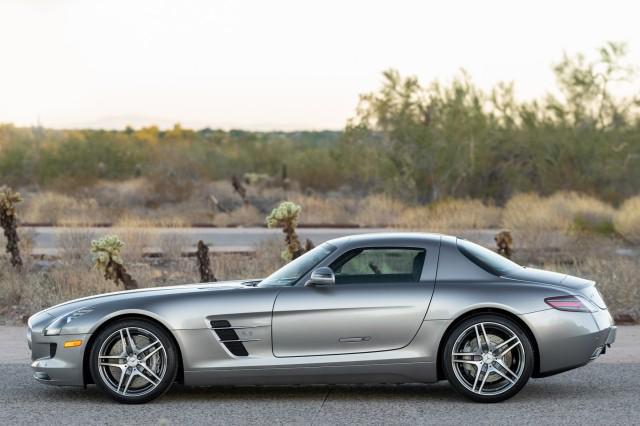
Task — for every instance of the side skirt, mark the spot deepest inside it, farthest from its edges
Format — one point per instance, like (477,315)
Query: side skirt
(416,372)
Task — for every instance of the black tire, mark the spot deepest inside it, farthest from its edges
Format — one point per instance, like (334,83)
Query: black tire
(466,373)
(165,361)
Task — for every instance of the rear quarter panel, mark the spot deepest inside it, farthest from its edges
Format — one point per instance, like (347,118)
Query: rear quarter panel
(462,286)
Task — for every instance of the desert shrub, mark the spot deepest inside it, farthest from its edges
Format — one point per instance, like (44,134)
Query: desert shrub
(169,186)
(534,219)
(128,193)
(582,212)
(627,219)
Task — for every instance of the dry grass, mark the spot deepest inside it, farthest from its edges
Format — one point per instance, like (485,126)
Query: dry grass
(616,279)
(245,215)
(74,245)
(451,214)
(627,220)
(129,220)
(60,209)
(72,277)
(136,240)
(134,204)
(265,260)
(318,209)
(376,210)
(172,245)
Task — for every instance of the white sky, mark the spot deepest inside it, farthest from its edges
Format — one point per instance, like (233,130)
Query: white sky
(266,64)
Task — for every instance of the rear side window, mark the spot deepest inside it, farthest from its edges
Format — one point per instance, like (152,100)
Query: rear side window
(379,265)
(488,260)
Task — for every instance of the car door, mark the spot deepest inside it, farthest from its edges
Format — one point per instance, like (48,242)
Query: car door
(378,303)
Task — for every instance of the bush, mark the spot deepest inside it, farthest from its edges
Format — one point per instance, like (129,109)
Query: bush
(627,220)
(559,212)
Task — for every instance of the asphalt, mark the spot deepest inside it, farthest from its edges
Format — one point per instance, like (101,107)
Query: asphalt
(603,392)
(45,239)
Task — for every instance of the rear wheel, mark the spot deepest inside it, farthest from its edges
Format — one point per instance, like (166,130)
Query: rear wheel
(488,358)
(133,361)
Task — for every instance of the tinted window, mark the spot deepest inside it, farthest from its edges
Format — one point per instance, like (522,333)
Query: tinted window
(294,270)
(488,260)
(383,265)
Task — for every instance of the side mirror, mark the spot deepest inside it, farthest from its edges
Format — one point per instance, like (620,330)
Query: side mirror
(322,276)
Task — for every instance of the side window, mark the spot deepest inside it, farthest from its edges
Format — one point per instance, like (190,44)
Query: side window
(379,265)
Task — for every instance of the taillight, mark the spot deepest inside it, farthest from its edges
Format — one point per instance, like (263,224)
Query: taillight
(570,304)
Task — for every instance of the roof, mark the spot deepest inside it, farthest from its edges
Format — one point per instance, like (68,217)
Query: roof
(391,238)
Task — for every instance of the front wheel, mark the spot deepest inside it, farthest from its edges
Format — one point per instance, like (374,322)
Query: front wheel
(133,361)
(488,358)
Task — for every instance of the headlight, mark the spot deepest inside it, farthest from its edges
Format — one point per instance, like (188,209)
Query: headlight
(55,327)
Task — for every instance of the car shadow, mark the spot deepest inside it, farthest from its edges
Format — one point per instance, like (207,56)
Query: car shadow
(535,390)
(335,393)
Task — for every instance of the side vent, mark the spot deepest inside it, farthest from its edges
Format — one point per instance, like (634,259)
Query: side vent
(229,338)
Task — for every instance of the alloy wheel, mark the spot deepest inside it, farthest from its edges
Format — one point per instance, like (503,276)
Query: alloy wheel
(488,358)
(132,361)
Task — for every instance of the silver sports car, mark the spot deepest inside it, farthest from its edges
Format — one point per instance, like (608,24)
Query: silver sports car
(383,308)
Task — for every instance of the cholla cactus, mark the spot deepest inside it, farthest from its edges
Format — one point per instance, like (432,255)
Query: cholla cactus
(8,200)
(239,188)
(106,255)
(204,263)
(286,215)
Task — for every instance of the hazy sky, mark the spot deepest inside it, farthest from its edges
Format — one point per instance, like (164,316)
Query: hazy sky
(265,64)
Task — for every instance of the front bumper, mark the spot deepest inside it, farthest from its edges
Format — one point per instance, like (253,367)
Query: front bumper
(54,364)
(568,340)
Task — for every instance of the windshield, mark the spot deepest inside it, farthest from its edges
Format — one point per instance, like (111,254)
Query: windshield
(290,273)
(488,260)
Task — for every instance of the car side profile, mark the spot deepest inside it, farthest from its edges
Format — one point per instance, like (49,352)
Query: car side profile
(373,308)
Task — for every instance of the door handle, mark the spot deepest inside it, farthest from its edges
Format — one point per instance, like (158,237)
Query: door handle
(354,339)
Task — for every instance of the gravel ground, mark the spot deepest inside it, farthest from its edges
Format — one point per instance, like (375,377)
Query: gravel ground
(604,392)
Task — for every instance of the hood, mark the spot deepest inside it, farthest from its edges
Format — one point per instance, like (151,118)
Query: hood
(65,307)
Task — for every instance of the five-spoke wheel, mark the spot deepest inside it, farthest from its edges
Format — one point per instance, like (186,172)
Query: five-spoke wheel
(488,358)
(133,361)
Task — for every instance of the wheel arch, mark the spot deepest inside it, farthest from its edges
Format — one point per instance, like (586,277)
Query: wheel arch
(488,310)
(86,373)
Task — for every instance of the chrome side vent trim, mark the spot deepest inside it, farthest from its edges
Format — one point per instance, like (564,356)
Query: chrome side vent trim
(229,337)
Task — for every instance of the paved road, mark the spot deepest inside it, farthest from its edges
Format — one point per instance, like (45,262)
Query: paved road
(227,239)
(604,392)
